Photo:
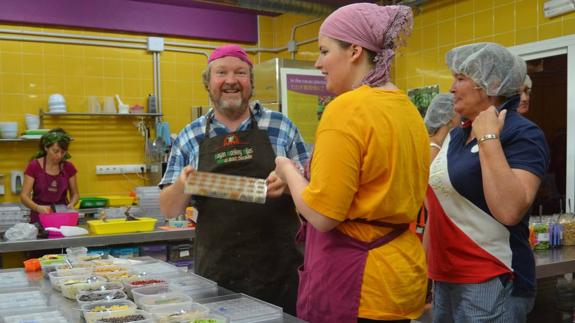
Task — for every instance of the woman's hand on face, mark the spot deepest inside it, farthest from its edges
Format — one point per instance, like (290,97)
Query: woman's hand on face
(488,121)
(43,209)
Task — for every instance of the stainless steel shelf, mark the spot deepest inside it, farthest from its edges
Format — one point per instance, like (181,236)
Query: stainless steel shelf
(96,240)
(19,139)
(86,114)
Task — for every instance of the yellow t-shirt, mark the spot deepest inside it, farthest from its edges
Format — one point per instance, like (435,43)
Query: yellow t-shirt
(371,161)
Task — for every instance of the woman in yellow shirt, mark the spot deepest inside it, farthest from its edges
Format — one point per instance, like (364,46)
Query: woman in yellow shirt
(368,177)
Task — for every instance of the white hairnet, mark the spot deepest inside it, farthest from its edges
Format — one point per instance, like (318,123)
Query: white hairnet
(439,112)
(527,81)
(491,66)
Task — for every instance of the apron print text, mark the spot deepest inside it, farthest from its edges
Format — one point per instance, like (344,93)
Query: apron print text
(234,155)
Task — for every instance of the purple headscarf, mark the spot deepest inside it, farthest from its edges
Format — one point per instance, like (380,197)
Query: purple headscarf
(380,29)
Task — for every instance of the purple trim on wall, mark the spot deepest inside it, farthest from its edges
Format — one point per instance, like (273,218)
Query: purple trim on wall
(134,16)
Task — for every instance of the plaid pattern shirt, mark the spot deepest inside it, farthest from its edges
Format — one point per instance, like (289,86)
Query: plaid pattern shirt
(284,136)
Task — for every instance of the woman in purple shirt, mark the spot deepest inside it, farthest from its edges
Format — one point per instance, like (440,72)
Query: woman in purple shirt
(49,176)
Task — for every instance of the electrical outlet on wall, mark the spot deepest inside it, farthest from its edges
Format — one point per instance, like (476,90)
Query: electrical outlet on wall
(120,169)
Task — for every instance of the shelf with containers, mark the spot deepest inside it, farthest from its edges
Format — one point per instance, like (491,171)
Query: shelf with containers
(141,116)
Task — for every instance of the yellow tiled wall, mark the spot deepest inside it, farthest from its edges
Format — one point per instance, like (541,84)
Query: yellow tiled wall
(444,24)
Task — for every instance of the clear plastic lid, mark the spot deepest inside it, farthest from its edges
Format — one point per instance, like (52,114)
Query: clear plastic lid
(13,278)
(242,308)
(16,298)
(99,310)
(152,302)
(154,289)
(35,315)
(195,286)
(180,313)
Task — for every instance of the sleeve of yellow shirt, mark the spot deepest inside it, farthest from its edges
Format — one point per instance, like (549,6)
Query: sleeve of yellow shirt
(335,169)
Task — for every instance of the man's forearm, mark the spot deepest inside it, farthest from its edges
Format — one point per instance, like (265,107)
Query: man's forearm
(173,200)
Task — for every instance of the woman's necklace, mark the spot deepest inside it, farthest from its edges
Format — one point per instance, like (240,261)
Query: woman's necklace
(52,169)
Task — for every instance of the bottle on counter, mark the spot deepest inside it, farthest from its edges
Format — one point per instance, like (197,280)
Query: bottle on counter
(152,104)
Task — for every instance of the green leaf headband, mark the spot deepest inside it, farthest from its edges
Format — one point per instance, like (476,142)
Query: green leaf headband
(51,138)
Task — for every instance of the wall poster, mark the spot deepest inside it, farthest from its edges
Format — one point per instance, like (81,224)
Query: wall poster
(304,98)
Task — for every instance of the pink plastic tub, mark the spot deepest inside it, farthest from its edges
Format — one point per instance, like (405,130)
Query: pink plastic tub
(56,220)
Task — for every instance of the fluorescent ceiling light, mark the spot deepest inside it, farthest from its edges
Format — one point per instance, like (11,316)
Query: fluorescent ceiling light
(554,8)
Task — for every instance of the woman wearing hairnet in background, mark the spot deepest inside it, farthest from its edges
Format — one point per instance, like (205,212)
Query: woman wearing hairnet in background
(483,180)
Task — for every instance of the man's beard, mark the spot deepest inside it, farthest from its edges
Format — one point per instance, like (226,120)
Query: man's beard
(230,105)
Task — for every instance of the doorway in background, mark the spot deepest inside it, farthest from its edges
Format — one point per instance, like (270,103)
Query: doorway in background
(548,109)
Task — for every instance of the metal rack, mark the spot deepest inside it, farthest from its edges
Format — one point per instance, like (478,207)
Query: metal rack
(97,115)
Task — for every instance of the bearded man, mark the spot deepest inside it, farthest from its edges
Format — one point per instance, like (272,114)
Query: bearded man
(245,247)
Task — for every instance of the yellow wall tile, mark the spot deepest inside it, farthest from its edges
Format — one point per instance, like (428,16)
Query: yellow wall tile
(505,39)
(53,65)
(463,28)
(526,35)
(463,7)
(11,62)
(504,18)
(12,83)
(429,60)
(427,18)
(32,48)
(10,46)
(526,13)
(569,26)
(445,9)
(112,67)
(483,23)
(94,67)
(414,40)
(550,30)
(445,33)
(480,5)
(430,38)
(130,68)
(32,63)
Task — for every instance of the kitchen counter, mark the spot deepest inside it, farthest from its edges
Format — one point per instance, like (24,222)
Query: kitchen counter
(71,309)
(548,263)
(96,240)
(554,262)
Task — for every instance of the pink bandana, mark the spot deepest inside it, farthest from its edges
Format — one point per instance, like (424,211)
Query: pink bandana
(380,29)
(230,50)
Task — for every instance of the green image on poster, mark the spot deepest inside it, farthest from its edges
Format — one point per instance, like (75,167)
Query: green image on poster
(422,96)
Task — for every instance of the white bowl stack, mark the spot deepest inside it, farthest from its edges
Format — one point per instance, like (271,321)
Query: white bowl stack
(8,130)
(57,103)
(32,121)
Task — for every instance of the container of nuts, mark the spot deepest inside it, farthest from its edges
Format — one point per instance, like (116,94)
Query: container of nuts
(568,222)
(98,296)
(138,316)
(105,310)
(141,281)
